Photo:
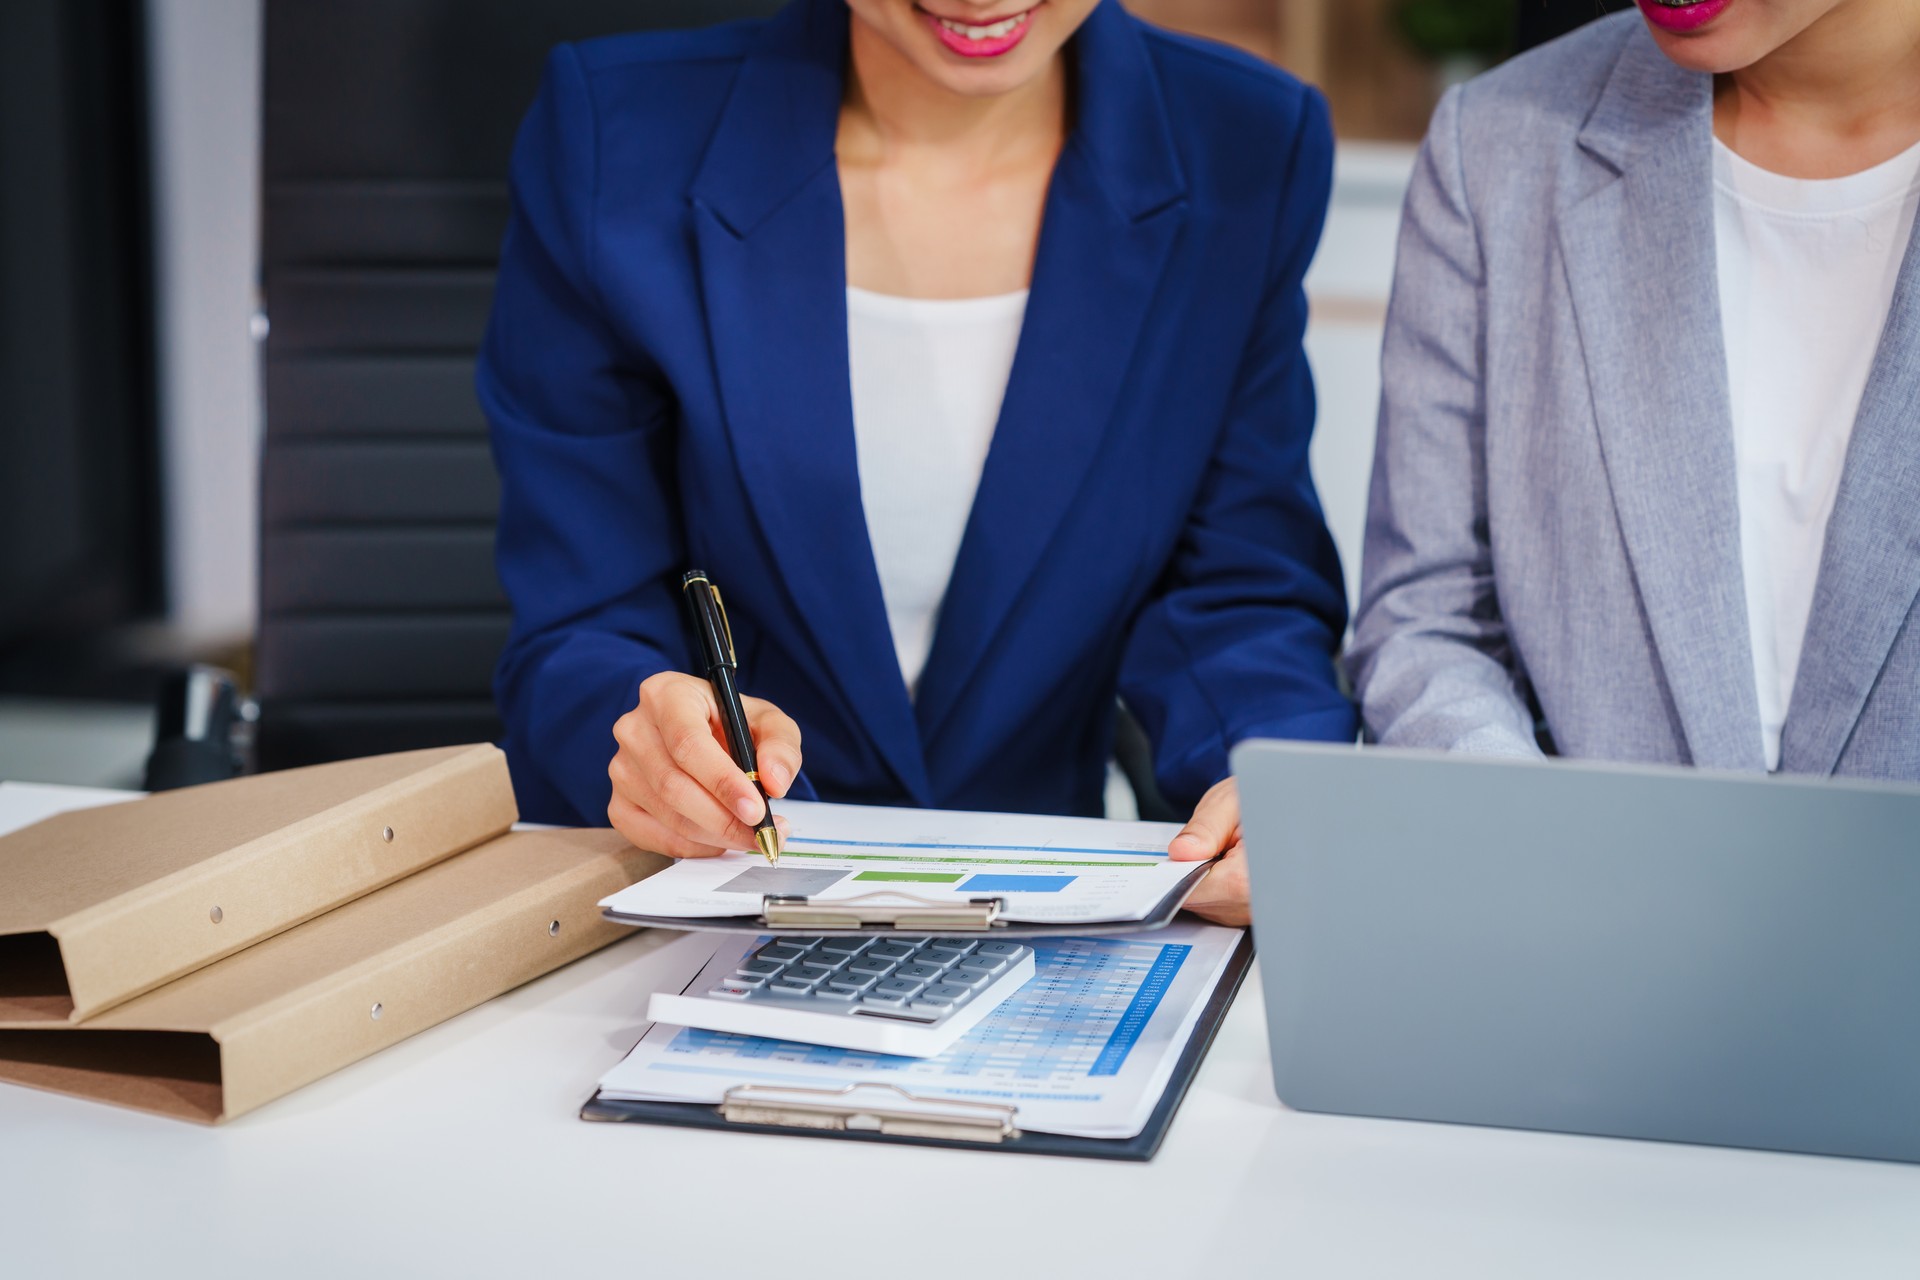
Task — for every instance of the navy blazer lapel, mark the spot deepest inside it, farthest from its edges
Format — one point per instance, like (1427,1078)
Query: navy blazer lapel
(770,235)
(1870,566)
(1112,214)
(1640,262)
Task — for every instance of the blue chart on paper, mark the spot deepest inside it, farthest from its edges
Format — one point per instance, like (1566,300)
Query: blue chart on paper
(985,883)
(1081,1015)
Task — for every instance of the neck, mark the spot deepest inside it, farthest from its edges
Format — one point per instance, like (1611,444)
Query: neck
(892,110)
(1841,96)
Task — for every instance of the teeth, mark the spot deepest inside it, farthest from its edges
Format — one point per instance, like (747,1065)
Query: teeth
(992,32)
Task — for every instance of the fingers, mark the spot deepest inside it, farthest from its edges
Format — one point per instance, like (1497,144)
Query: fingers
(646,832)
(776,741)
(674,786)
(643,774)
(684,715)
(1222,896)
(1214,827)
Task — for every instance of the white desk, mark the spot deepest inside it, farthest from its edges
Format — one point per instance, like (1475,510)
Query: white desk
(458,1153)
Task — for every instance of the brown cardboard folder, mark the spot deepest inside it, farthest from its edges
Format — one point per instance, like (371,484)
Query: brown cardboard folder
(100,905)
(284,1012)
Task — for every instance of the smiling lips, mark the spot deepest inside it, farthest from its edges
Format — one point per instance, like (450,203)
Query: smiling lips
(983,40)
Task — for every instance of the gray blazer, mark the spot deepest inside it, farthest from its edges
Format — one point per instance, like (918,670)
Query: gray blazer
(1553,531)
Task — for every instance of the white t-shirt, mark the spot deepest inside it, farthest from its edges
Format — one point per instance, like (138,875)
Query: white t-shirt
(1806,270)
(928,378)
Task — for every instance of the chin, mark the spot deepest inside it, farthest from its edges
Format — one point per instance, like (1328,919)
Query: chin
(1712,52)
(1734,35)
(978,82)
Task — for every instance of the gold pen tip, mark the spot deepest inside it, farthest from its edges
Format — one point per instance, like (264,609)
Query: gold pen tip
(768,838)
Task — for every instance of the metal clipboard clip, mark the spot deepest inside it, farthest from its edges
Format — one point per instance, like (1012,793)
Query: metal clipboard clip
(900,910)
(869,1107)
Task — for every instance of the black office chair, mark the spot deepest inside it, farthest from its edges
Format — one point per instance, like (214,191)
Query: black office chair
(388,128)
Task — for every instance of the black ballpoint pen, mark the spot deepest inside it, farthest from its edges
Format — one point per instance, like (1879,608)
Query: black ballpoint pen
(716,650)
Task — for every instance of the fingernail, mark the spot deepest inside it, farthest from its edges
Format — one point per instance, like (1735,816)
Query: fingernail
(1184,841)
(749,809)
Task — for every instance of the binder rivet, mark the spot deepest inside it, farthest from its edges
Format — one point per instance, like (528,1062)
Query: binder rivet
(215,915)
(376,1011)
(386,833)
(553,930)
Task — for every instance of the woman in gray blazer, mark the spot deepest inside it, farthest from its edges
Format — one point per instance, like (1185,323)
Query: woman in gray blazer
(1647,484)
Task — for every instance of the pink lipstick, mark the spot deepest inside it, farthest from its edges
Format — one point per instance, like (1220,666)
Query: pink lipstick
(1682,17)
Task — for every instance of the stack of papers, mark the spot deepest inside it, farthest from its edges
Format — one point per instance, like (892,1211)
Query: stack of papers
(1065,871)
(1086,1048)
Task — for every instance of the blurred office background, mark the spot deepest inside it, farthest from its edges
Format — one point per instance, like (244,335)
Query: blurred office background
(245,251)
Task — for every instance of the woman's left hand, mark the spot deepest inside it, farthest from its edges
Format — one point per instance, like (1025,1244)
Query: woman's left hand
(1215,828)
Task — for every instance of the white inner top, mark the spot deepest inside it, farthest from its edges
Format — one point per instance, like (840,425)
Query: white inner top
(1806,269)
(928,378)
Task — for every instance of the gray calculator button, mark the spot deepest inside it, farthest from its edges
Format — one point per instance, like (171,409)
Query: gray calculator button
(1010,950)
(730,990)
(827,960)
(810,974)
(804,944)
(748,979)
(884,999)
(923,972)
(898,987)
(966,977)
(849,982)
(927,1002)
(946,991)
(789,987)
(889,951)
(843,946)
(871,967)
(988,965)
(835,994)
(780,952)
(951,946)
(762,968)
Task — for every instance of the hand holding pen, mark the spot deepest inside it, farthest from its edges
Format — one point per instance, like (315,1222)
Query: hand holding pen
(676,787)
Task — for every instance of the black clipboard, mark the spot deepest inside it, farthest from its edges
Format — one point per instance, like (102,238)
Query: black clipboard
(1142,1146)
(893,911)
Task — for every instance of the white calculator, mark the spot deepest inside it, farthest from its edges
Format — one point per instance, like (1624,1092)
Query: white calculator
(909,996)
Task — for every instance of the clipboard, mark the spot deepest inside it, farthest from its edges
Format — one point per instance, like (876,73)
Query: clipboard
(894,911)
(967,1126)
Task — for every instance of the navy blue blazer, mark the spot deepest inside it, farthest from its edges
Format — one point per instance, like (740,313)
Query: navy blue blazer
(666,375)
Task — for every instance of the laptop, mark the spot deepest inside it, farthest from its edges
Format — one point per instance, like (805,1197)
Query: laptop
(1638,952)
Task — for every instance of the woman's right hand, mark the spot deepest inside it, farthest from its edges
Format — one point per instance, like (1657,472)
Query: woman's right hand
(675,788)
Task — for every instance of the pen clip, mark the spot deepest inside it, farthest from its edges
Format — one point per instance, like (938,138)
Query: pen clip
(726,627)
(715,629)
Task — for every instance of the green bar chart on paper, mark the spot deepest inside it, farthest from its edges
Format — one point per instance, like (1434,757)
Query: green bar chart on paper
(913,877)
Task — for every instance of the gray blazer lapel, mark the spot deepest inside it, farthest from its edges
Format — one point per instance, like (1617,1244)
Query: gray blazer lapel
(1639,254)
(1870,566)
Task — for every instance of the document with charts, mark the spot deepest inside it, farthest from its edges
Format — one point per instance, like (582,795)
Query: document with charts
(1085,1048)
(1047,870)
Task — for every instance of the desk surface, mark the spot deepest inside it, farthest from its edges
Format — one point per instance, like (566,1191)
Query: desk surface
(458,1152)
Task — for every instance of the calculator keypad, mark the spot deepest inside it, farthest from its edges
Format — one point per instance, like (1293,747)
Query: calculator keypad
(927,978)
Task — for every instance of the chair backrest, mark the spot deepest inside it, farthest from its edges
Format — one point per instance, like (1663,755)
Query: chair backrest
(388,129)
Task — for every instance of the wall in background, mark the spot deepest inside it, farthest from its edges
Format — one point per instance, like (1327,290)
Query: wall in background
(204,76)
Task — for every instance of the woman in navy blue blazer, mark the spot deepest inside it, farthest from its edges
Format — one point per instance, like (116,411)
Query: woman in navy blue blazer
(717,333)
